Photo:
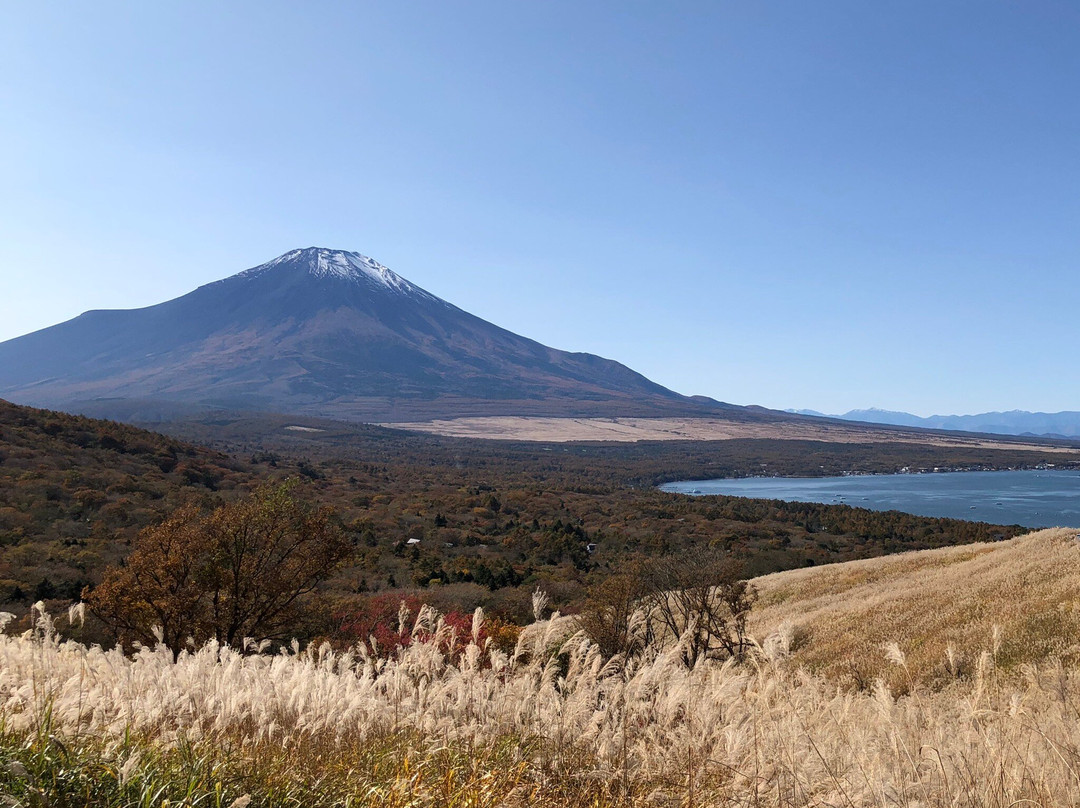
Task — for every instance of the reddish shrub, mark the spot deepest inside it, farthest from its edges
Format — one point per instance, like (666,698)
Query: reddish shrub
(375,622)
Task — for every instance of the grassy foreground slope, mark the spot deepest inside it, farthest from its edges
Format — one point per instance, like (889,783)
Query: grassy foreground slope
(551,724)
(943,608)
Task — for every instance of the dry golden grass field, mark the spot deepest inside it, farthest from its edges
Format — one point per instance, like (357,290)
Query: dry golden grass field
(561,429)
(943,608)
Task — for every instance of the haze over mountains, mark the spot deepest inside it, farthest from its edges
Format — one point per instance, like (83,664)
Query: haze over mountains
(320,332)
(1014,422)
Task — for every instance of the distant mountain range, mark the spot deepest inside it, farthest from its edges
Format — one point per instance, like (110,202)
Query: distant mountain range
(1014,422)
(320,332)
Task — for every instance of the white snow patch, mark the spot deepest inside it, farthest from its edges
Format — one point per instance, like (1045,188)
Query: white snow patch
(350,266)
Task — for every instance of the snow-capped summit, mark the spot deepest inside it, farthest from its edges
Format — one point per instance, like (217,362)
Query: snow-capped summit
(320,262)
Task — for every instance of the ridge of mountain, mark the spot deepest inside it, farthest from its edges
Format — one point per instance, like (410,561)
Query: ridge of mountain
(317,331)
(1065,424)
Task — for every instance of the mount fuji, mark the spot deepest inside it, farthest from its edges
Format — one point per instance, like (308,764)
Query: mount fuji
(317,332)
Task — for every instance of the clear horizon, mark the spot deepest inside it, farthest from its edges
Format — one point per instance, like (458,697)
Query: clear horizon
(829,208)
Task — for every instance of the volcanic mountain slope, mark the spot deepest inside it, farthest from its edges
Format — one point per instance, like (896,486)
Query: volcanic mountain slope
(322,332)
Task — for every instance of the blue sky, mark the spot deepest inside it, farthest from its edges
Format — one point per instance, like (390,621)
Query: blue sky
(826,205)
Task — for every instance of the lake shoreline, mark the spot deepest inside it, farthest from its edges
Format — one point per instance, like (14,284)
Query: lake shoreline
(1046,496)
(1072,466)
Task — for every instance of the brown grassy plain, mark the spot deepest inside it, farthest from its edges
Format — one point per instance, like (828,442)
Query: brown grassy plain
(560,430)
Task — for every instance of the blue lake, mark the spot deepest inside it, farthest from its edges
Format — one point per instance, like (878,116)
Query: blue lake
(1030,498)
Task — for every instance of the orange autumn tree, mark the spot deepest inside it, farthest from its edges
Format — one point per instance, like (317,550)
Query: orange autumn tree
(243,570)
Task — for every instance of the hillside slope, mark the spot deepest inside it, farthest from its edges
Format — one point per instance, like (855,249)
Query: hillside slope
(75,491)
(841,617)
